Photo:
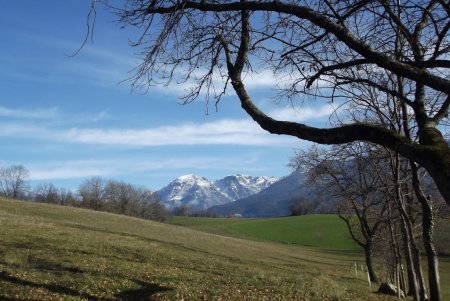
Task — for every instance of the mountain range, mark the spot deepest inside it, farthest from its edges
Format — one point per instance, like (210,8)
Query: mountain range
(199,193)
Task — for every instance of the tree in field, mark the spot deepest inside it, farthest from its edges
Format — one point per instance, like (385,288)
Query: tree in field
(349,175)
(92,192)
(47,193)
(13,181)
(121,197)
(322,50)
(150,207)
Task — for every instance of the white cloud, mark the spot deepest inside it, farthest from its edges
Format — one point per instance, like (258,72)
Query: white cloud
(252,80)
(263,79)
(222,132)
(22,130)
(301,114)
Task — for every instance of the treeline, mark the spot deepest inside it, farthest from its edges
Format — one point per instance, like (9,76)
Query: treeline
(312,205)
(94,193)
(184,210)
(122,198)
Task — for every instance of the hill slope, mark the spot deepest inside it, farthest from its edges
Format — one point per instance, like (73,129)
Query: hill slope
(59,253)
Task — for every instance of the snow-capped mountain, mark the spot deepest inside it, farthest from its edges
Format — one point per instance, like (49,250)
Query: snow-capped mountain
(199,193)
(192,191)
(241,186)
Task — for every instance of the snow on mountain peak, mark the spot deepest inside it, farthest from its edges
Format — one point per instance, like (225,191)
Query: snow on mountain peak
(186,177)
(191,178)
(200,193)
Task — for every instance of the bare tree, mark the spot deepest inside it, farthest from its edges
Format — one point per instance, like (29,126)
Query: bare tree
(323,50)
(120,196)
(348,174)
(150,206)
(92,192)
(47,193)
(66,197)
(398,181)
(13,181)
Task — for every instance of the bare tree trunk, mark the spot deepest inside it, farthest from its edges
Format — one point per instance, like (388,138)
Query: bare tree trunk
(395,249)
(417,262)
(433,268)
(420,277)
(428,228)
(413,285)
(368,251)
(406,229)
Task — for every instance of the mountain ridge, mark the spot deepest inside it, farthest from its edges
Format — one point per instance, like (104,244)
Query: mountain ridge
(199,193)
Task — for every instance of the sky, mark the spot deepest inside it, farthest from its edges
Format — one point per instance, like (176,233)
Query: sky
(67,118)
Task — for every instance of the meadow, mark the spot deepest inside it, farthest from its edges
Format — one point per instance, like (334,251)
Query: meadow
(323,231)
(50,252)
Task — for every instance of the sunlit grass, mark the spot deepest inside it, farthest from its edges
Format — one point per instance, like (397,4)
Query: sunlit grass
(60,253)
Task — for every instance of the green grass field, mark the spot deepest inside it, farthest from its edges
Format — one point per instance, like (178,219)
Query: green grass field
(324,231)
(60,253)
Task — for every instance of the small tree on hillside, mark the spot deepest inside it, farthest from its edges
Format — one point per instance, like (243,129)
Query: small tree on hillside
(92,192)
(47,193)
(13,181)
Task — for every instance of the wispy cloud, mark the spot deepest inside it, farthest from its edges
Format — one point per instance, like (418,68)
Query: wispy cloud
(51,114)
(219,132)
(110,168)
(70,170)
(264,79)
(302,114)
(38,113)
(222,132)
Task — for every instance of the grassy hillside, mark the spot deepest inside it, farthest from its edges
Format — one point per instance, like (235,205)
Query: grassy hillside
(60,253)
(324,231)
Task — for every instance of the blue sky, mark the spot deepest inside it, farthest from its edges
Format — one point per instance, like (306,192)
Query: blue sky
(69,118)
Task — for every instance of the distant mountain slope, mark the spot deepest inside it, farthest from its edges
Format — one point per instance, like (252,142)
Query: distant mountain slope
(275,200)
(200,193)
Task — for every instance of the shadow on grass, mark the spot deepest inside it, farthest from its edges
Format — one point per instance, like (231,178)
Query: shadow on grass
(145,292)
(56,268)
(55,288)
